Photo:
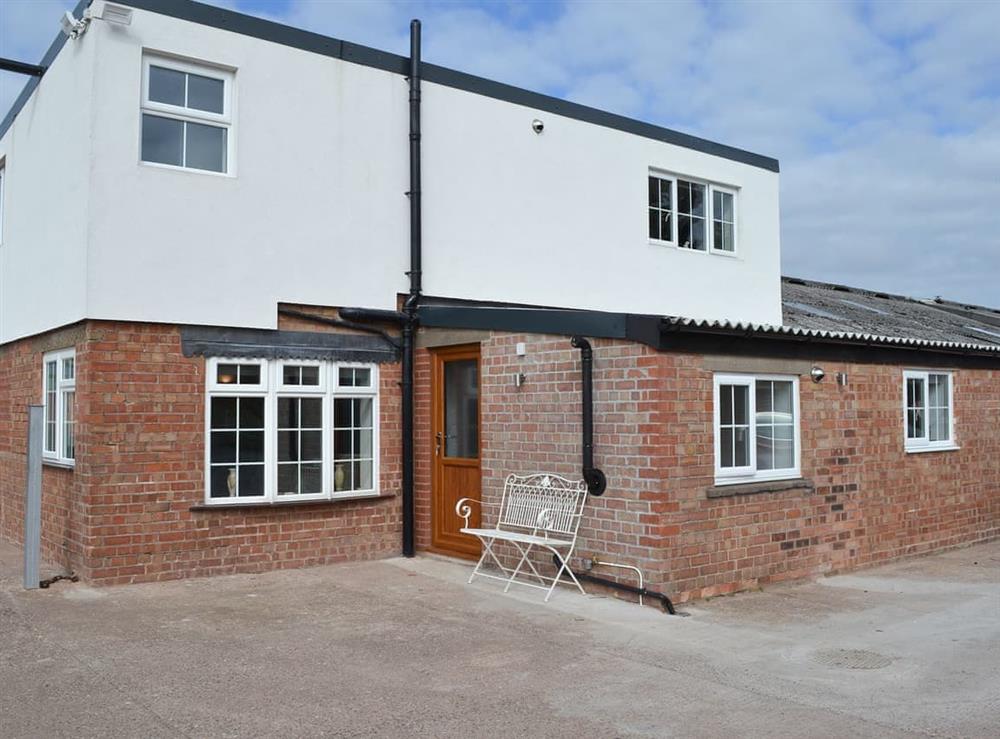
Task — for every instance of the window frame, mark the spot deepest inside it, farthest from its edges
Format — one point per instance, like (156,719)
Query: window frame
(710,189)
(923,443)
(272,388)
(750,473)
(62,386)
(225,120)
(3,197)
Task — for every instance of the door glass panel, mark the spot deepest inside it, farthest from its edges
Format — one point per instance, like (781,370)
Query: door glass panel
(461,408)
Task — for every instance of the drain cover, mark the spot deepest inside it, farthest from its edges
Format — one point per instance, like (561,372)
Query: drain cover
(852,659)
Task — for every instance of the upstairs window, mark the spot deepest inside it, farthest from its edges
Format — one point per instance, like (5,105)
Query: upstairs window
(927,411)
(59,399)
(691,215)
(186,115)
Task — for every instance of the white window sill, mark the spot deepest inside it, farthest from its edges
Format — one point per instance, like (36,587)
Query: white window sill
(925,449)
(248,502)
(749,479)
(61,464)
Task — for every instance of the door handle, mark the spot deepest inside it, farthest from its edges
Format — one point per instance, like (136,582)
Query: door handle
(438,437)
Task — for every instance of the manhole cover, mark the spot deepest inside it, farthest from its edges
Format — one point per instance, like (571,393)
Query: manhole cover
(852,659)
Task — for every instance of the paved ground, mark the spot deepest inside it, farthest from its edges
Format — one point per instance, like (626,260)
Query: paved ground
(405,648)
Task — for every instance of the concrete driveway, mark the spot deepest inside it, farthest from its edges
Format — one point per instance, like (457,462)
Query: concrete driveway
(405,648)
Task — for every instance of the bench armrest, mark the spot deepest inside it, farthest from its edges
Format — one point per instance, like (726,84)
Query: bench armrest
(464,510)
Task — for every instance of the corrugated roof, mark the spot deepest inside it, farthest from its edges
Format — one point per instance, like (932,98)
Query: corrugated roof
(832,312)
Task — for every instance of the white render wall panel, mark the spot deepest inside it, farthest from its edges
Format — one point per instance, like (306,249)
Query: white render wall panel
(314,210)
(46,154)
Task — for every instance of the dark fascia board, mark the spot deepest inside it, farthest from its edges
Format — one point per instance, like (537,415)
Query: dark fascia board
(594,324)
(34,81)
(215,341)
(246,25)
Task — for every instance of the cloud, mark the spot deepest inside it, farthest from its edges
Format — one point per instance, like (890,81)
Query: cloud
(885,116)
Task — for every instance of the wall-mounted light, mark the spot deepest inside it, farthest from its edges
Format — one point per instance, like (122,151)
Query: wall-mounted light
(518,379)
(841,378)
(817,374)
(537,125)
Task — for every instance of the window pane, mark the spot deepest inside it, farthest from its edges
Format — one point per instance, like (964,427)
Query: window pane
(69,368)
(205,93)
(654,224)
(312,413)
(288,446)
(726,404)
(291,375)
(226,374)
(782,397)
(310,376)
(765,448)
(50,406)
(251,446)
(684,232)
(206,147)
(342,477)
(251,480)
(666,230)
(288,413)
(726,441)
(741,404)
(784,446)
(683,196)
(166,86)
(665,187)
(697,200)
(223,413)
(654,192)
(741,451)
(311,443)
(764,390)
(162,140)
(727,243)
(223,447)
(717,235)
(342,444)
(69,446)
(312,478)
(288,479)
(249,374)
(461,408)
(363,474)
(698,234)
(223,482)
(251,413)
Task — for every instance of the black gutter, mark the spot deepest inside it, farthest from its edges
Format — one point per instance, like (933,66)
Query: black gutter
(411,304)
(597,482)
(624,587)
(278,33)
(12,65)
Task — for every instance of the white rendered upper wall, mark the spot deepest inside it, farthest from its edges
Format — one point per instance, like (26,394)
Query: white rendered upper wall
(314,208)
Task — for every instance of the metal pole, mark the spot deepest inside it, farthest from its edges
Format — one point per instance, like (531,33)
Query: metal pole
(33,498)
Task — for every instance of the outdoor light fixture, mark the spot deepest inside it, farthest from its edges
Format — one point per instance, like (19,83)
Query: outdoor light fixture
(116,14)
(537,126)
(841,378)
(72,27)
(817,374)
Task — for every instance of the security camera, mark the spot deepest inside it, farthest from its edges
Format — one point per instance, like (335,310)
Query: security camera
(817,374)
(537,126)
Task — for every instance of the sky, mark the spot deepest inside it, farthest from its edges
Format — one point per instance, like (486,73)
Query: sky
(885,116)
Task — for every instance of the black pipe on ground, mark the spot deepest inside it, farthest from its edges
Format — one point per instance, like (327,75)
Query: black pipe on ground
(596,481)
(624,587)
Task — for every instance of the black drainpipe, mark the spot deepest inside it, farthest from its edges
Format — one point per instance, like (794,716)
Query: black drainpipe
(596,481)
(410,306)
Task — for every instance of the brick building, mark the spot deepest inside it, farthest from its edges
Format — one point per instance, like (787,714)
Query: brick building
(238,376)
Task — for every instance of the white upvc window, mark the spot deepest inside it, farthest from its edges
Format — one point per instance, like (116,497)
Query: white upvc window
(928,416)
(688,214)
(281,430)
(59,399)
(756,422)
(187,115)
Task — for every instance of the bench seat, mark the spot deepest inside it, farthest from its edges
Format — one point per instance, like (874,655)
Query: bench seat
(519,537)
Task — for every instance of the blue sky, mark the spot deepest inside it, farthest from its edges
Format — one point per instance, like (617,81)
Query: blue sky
(885,115)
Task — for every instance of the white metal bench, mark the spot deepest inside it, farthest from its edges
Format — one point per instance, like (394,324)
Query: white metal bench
(538,510)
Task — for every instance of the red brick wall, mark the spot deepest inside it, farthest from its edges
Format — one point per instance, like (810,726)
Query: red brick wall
(140,471)
(63,512)
(653,438)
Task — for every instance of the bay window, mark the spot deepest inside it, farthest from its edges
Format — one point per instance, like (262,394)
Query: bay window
(756,428)
(281,430)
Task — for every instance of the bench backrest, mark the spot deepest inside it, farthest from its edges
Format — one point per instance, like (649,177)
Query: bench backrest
(524,497)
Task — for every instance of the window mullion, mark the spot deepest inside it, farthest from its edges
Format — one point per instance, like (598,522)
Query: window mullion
(752,421)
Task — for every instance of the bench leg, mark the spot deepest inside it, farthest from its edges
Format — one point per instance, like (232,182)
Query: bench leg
(524,559)
(563,568)
(487,550)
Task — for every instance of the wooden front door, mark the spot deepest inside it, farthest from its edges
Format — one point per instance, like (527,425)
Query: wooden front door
(455,429)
